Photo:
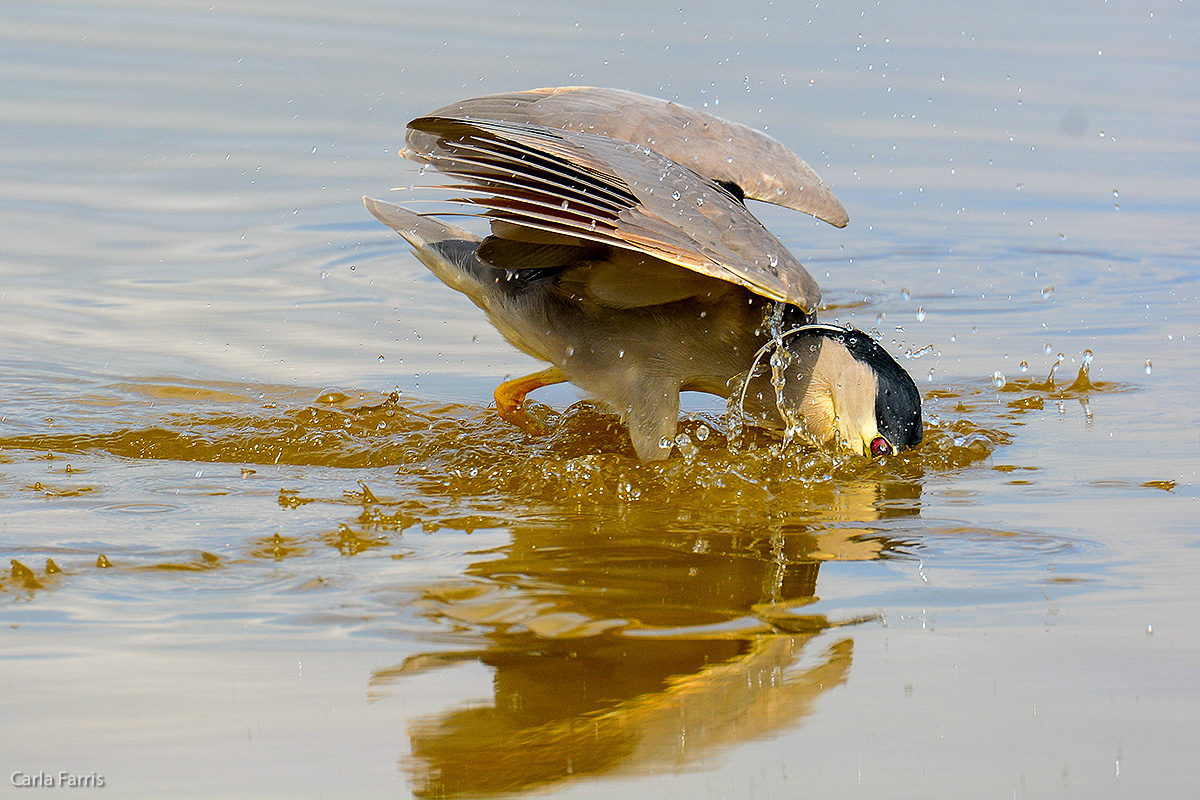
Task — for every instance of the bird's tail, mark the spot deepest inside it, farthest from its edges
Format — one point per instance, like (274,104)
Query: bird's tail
(447,250)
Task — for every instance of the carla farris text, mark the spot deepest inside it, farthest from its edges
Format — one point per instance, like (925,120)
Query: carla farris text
(43,779)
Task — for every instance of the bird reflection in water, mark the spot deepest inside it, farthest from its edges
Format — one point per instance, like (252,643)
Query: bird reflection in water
(621,645)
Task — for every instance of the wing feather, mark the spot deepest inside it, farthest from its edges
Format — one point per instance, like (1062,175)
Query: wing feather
(762,167)
(632,198)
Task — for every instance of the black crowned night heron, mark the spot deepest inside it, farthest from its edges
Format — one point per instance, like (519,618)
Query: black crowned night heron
(622,253)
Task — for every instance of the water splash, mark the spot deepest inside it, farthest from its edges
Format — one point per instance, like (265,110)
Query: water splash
(686,447)
(1083,381)
(1054,368)
(470,458)
(779,360)
(736,422)
(789,411)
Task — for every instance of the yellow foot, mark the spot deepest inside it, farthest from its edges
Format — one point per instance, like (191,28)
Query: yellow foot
(510,399)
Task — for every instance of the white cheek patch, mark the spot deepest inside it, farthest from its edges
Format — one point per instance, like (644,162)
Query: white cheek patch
(843,393)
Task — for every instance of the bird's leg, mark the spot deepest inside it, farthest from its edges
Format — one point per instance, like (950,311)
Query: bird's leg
(510,399)
(653,416)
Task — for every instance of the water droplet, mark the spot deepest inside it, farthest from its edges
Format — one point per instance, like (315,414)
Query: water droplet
(1115,194)
(1149,367)
(687,448)
(1024,366)
(570,351)
(620,354)
(665,443)
(565,205)
(381,358)
(905,294)
(773,260)
(998,379)
(675,194)
(920,313)
(1047,291)
(702,432)
(1046,348)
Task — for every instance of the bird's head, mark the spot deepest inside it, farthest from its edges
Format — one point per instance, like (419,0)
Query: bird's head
(859,395)
(847,389)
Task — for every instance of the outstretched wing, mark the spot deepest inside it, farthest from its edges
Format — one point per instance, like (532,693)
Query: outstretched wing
(591,188)
(721,150)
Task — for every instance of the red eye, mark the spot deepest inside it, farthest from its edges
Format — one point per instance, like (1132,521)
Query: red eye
(880,447)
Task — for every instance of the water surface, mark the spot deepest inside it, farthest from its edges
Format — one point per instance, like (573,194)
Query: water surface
(264,536)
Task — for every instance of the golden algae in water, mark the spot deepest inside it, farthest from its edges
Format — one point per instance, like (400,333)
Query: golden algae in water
(458,450)
(460,467)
